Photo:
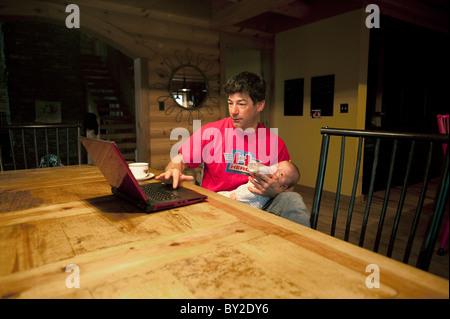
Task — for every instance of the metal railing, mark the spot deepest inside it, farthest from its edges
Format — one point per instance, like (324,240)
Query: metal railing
(374,141)
(32,146)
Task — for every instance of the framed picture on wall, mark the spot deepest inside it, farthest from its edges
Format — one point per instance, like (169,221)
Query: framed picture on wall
(48,112)
(315,114)
(322,94)
(293,97)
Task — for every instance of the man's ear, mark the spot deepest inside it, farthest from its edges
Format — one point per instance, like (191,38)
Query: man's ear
(260,105)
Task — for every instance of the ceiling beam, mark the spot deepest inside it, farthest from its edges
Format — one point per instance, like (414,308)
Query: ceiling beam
(296,9)
(431,14)
(237,12)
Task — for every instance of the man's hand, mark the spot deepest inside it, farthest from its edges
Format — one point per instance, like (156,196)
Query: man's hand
(265,185)
(174,172)
(174,176)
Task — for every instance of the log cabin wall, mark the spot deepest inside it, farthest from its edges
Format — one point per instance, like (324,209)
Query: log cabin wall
(163,121)
(150,38)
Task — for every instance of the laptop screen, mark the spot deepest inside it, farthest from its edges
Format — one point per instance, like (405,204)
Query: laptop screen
(111,163)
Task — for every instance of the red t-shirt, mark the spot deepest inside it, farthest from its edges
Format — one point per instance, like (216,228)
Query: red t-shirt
(226,151)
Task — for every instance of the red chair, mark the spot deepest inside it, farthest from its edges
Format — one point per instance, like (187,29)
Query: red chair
(443,129)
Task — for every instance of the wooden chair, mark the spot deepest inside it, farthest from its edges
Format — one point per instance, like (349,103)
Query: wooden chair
(443,129)
(375,218)
(1,160)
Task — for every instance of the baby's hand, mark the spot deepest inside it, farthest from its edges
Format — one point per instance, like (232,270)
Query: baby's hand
(233,195)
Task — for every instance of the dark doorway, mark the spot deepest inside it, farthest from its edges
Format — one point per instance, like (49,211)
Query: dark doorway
(408,82)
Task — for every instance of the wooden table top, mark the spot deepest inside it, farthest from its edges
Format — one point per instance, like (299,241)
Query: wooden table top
(51,218)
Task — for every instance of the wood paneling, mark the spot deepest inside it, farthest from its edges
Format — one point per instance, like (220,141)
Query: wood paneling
(140,32)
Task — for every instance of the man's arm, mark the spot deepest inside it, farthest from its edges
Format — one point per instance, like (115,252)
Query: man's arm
(174,172)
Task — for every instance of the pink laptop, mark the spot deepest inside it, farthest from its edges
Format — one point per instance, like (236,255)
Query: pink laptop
(149,197)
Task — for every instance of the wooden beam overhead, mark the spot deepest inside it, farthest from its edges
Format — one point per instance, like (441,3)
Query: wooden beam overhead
(237,12)
(296,9)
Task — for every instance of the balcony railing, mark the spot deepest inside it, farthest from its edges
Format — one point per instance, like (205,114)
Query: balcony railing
(34,146)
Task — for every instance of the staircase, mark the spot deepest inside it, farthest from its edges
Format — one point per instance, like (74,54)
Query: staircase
(116,122)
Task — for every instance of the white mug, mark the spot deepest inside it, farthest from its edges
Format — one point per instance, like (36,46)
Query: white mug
(139,170)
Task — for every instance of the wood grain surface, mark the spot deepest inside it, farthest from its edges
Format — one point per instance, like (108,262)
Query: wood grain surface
(55,217)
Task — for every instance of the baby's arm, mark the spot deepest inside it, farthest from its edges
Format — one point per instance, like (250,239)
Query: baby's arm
(230,194)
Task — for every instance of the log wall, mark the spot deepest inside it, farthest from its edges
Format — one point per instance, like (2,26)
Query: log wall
(147,34)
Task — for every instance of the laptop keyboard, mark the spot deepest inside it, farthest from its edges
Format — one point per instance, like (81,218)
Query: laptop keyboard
(155,193)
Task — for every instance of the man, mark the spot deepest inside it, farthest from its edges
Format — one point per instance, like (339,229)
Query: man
(226,146)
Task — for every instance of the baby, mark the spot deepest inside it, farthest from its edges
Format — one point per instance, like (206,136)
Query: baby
(287,174)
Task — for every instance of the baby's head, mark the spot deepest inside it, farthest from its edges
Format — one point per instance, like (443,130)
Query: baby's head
(288,175)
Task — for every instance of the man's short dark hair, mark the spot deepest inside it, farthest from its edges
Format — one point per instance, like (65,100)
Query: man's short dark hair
(247,82)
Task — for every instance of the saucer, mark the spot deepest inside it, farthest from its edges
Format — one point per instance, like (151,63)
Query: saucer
(146,177)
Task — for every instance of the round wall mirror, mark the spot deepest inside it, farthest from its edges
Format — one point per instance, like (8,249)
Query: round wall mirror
(188,87)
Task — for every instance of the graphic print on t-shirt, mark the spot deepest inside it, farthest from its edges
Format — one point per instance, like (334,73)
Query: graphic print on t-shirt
(238,161)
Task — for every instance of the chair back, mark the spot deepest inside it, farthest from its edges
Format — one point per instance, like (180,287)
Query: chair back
(443,127)
(387,209)
(1,160)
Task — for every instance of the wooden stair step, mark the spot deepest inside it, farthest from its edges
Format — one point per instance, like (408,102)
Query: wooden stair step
(101,87)
(106,101)
(93,64)
(111,109)
(94,59)
(88,73)
(103,94)
(91,78)
(119,126)
(129,156)
(90,57)
(115,136)
(95,69)
(102,90)
(99,81)
(105,105)
(126,146)
(124,118)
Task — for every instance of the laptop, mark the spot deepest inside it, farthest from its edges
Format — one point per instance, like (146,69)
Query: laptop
(150,197)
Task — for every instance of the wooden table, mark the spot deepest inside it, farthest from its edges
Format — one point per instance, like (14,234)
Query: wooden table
(55,217)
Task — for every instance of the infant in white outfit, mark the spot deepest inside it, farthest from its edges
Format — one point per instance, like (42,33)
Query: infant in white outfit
(287,174)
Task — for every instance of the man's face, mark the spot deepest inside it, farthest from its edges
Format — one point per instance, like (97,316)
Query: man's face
(243,112)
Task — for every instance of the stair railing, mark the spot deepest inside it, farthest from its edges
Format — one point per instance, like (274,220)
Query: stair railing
(32,146)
